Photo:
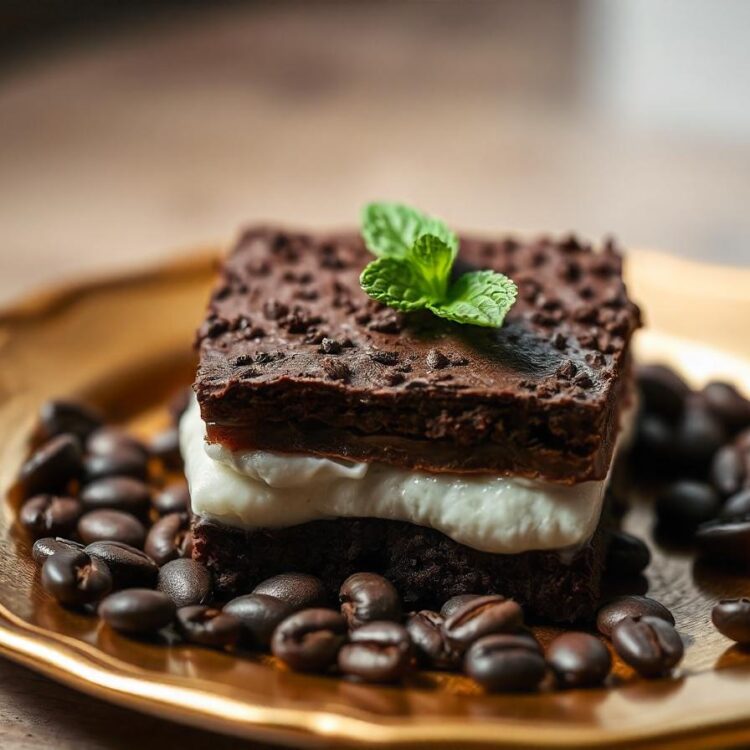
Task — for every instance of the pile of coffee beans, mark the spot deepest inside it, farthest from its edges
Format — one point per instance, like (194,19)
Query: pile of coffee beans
(697,443)
(112,536)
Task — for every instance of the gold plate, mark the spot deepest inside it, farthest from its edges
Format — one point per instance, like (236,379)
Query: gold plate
(123,343)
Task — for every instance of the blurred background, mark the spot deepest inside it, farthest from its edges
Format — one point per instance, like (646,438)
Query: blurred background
(131,131)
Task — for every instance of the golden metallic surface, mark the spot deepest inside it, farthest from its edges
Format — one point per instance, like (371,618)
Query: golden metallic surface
(124,343)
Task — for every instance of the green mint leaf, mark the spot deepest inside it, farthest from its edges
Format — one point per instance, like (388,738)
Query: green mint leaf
(397,283)
(480,298)
(432,259)
(391,229)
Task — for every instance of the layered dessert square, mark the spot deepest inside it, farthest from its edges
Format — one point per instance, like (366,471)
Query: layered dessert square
(332,434)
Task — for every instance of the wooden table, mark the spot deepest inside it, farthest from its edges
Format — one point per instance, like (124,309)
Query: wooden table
(120,149)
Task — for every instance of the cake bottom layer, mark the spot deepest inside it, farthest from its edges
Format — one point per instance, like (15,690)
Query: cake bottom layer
(426,566)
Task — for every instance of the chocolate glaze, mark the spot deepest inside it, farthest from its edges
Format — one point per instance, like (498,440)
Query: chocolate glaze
(295,357)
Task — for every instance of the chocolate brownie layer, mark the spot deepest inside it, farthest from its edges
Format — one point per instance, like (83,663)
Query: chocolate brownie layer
(425,566)
(295,357)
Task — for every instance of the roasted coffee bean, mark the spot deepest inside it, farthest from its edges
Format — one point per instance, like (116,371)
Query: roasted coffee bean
(51,467)
(59,416)
(50,515)
(506,662)
(482,616)
(309,640)
(648,644)
(130,567)
(174,498)
(425,628)
(698,436)
(48,546)
(107,440)
(118,493)
(376,652)
(186,581)
(169,538)
(737,506)
(111,526)
(299,590)
(726,542)
(627,555)
(137,611)
(121,463)
(178,404)
(663,391)
(727,471)
(75,578)
(578,660)
(629,606)
(655,444)
(684,505)
(208,626)
(724,401)
(367,597)
(455,603)
(259,615)
(166,447)
(731,617)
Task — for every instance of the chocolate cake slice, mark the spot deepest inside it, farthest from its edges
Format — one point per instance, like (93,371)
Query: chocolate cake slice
(295,357)
(333,434)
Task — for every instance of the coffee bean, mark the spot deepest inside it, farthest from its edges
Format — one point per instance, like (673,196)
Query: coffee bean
(186,582)
(431,649)
(108,440)
(731,617)
(75,578)
(727,471)
(125,463)
(111,526)
(506,662)
(52,466)
(627,555)
(482,616)
(174,498)
(259,615)
(663,391)
(166,447)
(578,660)
(299,590)
(648,644)
(684,505)
(137,611)
(130,567)
(726,542)
(50,515)
(309,640)
(48,546)
(376,652)
(168,538)
(208,626)
(118,493)
(58,417)
(655,444)
(698,436)
(728,404)
(367,597)
(736,506)
(178,404)
(629,606)
(455,603)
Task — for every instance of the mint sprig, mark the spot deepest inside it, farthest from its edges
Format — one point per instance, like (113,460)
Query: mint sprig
(416,253)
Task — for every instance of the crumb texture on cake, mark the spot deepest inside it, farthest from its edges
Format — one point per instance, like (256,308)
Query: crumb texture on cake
(295,357)
(426,567)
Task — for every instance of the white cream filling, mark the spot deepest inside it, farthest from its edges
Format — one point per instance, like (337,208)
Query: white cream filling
(502,515)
